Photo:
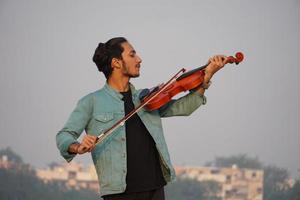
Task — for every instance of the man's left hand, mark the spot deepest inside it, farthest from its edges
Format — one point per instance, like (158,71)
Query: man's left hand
(215,63)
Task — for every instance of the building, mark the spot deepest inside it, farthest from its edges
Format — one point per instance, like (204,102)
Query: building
(235,183)
(4,163)
(73,175)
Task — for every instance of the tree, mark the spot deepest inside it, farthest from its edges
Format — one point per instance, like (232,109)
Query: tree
(241,160)
(11,155)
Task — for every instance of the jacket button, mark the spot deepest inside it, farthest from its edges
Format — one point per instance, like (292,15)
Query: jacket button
(123,139)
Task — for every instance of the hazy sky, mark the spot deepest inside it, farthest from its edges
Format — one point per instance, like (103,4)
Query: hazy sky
(46,50)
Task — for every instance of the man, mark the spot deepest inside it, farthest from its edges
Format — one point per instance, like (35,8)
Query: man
(133,162)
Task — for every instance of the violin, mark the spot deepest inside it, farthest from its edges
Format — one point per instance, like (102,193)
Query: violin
(163,94)
(187,81)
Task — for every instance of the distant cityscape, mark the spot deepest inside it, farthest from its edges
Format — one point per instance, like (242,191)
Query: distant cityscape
(235,183)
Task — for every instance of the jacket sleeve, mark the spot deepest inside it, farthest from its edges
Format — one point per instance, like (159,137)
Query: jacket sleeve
(183,106)
(76,123)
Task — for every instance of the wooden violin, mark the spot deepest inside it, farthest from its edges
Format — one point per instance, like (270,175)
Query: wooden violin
(187,81)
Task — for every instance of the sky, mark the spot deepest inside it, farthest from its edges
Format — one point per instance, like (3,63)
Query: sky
(46,50)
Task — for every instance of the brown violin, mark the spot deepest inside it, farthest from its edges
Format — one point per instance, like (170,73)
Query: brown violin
(187,81)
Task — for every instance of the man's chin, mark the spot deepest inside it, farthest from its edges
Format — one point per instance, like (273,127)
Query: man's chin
(134,75)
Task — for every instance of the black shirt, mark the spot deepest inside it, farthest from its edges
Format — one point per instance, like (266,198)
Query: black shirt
(143,166)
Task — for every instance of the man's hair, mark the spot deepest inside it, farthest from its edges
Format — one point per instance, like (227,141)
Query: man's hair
(105,52)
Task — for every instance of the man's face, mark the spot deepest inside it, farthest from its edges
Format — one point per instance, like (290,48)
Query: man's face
(130,61)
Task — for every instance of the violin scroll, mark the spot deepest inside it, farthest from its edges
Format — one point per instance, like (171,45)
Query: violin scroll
(239,57)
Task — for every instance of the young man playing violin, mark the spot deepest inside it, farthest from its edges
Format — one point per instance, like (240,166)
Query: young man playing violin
(133,163)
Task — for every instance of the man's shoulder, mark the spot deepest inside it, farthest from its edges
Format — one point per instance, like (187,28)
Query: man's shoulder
(89,97)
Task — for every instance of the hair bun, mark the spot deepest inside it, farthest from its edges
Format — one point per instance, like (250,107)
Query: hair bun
(101,56)
(102,48)
(101,45)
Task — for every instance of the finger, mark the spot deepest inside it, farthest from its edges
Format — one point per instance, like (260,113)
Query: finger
(93,138)
(209,61)
(87,142)
(87,148)
(90,143)
(80,150)
(215,60)
(222,57)
(223,60)
(218,59)
(83,148)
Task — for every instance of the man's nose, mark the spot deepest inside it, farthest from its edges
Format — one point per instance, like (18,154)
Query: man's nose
(139,60)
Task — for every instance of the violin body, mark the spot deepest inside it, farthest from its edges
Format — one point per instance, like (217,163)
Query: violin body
(175,88)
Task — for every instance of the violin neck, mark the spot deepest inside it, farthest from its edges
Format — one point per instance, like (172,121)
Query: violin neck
(191,72)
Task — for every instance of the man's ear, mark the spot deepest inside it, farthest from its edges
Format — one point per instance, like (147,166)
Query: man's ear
(116,63)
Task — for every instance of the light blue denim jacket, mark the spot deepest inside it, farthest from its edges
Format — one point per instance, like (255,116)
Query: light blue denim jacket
(98,111)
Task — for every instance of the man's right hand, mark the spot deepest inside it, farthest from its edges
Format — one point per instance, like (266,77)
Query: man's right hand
(87,145)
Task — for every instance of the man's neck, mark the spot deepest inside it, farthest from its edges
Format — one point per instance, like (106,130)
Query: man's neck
(119,84)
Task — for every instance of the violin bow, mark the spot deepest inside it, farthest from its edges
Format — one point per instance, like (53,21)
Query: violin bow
(122,121)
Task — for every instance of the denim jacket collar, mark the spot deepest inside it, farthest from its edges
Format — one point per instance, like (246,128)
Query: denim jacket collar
(114,93)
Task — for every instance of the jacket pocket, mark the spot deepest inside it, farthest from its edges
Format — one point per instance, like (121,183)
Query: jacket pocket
(104,117)
(103,121)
